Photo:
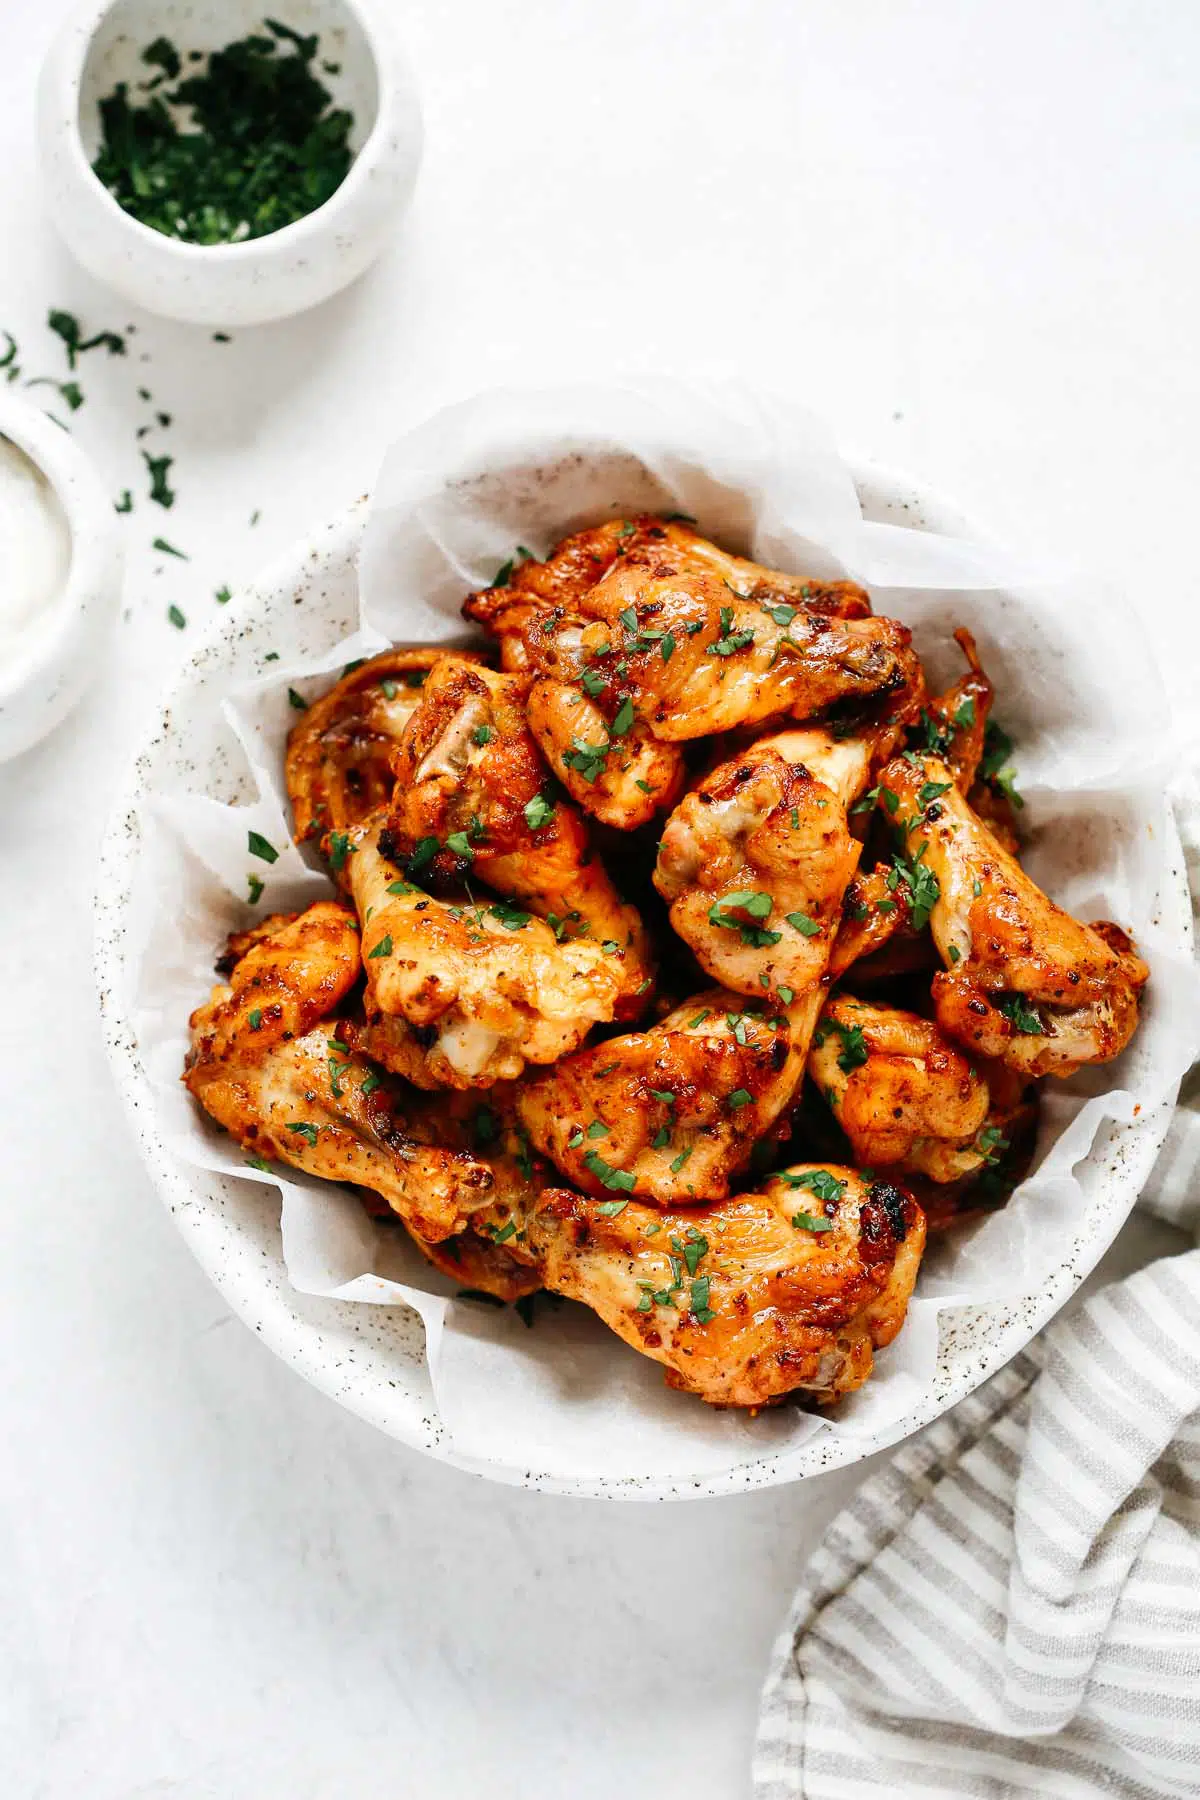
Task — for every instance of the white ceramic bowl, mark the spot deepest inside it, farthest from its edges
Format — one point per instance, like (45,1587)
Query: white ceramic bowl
(371,1359)
(49,669)
(262,278)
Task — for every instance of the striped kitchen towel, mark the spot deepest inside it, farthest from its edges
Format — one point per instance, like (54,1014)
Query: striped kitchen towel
(1013,1606)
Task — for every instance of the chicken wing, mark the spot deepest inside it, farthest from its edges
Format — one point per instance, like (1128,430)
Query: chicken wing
(904,1096)
(338,764)
(754,861)
(289,1088)
(673,1113)
(787,1290)
(1023,981)
(473,796)
(954,724)
(509,609)
(482,989)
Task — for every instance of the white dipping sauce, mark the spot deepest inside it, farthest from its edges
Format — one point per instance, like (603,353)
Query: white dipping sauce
(35,552)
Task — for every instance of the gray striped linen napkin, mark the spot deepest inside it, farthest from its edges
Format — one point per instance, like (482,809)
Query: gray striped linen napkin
(1012,1607)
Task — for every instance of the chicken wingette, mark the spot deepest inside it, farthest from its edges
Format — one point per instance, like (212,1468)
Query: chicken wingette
(479,987)
(1023,981)
(338,764)
(269,1064)
(530,589)
(754,862)
(790,1289)
(474,799)
(672,1114)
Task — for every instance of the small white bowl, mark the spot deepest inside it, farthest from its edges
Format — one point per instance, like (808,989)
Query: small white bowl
(52,664)
(259,279)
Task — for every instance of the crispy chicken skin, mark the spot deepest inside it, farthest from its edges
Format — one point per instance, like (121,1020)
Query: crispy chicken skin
(617,770)
(469,776)
(268,1063)
(478,998)
(729,661)
(742,1302)
(754,862)
(338,764)
(579,561)
(1023,981)
(672,1114)
(903,1094)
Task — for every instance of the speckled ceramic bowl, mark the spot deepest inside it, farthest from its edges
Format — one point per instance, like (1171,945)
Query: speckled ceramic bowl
(371,1359)
(264,278)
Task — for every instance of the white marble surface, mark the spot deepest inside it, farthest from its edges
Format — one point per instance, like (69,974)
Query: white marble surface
(966,234)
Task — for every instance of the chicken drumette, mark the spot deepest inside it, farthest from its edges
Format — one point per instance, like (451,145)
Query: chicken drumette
(755,860)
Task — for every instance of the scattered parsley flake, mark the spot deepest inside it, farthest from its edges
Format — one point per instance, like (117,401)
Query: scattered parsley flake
(382,948)
(262,847)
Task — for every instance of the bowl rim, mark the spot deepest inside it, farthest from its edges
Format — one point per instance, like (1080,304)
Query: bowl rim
(94,556)
(295,1338)
(76,38)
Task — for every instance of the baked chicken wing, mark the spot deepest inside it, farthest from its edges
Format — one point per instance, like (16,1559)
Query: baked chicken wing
(1023,981)
(754,862)
(510,609)
(903,1094)
(465,994)
(672,1114)
(338,764)
(787,1290)
(269,1064)
(659,652)
(473,798)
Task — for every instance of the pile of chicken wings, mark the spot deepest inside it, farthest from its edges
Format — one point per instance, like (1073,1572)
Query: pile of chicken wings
(681,962)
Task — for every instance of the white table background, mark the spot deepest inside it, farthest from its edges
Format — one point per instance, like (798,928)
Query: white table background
(966,233)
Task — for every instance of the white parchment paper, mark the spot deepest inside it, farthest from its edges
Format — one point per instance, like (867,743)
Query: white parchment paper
(1076,689)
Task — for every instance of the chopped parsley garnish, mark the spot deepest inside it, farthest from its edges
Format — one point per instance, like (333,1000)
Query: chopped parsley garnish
(161,543)
(729,641)
(701,1310)
(502,1233)
(481,735)
(401,887)
(922,885)
(931,790)
(263,145)
(993,766)
(624,719)
(757,904)
(597,1129)
(255,1018)
(787,995)
(1025,1020)
(661,1138)
(255,884)
(964,718)
(305,1131)
(510,916)
(125,503)
(803,924)
(991,1138)
(261,847)
(824,1185)
(160,488)
(588,760)
(805,1221)
(340,848)
(677,1165)
(618,1179)
(699,1019)
(575,1140)
(66,326)
(177,618)
(740,1097)
(297,700)
(382,948)
(854,1046)
(421,855)
(538,812)
(608,1209)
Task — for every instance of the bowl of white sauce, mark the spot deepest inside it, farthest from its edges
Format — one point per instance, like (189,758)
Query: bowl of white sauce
(60,573)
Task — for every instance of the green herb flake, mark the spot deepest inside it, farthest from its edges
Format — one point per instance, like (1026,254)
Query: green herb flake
(823,1183)
(681,1159)
(305,1131)
(803,924)
(223,596)
(160,489)
(618,1179)
(805,1221)
(255,1016)
(169,549)
(340,848)
(740,1097)
(382,948)
(422,855)
(538,812)
(125,503)
(964,718)
(1025,1020)
(178,619)
(297,700)
(608,1209)
(262,847)
(624,719)
(255,884)
(787,995)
